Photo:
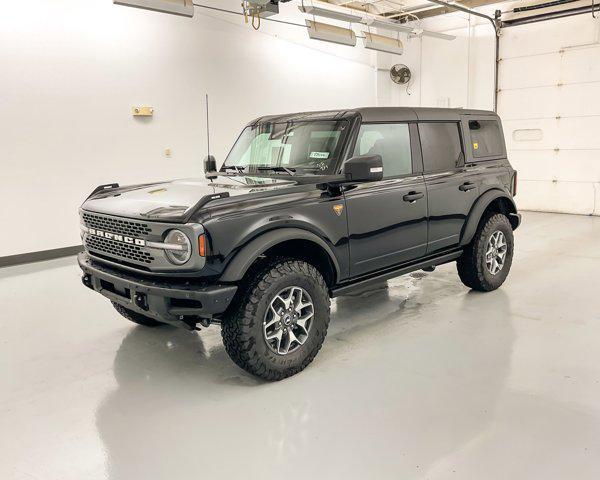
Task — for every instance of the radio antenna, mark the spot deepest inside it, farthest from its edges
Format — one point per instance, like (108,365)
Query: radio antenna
(207,128)
(210,164)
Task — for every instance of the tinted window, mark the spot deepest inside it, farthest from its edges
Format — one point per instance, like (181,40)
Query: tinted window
(486,138)
(309,147)
(391,141)
(441,146)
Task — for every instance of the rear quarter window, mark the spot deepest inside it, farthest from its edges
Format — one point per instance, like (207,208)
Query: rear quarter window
(486,138)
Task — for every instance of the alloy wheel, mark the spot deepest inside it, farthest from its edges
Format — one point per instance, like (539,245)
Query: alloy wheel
(288,320)
(495,252)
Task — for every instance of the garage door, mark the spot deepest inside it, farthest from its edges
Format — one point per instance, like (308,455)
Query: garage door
(549,100)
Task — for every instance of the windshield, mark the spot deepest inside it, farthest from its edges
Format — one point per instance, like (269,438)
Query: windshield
(292,147)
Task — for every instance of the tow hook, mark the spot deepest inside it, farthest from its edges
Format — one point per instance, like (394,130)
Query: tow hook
(87,281)
(193,322)
(141,300)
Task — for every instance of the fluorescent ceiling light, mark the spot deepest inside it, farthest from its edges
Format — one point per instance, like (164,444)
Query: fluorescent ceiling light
(333,14)
(176,7)
(331,33)
(382,43)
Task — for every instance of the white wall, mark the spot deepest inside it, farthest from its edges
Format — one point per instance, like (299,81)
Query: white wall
(550,81)
(70,71)
(457,73)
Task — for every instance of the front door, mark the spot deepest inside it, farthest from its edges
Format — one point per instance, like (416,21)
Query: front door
(387,220)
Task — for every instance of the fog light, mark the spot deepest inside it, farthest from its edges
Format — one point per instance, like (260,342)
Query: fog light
(178,257)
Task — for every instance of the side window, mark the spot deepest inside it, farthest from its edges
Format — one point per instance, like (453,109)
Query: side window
(391,141)
(486,138)
(441,145)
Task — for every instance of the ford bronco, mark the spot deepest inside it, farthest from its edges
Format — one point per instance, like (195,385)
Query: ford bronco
(306,207)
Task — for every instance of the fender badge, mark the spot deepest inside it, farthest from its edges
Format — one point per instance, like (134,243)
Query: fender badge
(338,209)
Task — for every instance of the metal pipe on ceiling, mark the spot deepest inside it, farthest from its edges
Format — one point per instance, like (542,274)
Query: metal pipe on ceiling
(550,16)
(459,7)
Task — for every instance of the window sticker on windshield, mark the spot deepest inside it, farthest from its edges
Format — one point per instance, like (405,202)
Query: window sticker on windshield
(319,155)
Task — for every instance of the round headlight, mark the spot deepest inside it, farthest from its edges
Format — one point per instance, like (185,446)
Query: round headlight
(180,256)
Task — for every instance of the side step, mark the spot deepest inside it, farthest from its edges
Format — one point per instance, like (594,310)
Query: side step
(426,264)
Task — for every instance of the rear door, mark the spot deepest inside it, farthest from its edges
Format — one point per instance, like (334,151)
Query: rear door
(451,188)
(387,220)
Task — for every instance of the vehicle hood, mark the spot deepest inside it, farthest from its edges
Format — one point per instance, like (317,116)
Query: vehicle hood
(178,198)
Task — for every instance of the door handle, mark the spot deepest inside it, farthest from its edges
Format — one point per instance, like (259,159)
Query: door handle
(412,197)
(465,187)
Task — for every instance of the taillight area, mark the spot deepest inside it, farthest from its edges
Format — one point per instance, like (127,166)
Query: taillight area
(202,245)
(514,187)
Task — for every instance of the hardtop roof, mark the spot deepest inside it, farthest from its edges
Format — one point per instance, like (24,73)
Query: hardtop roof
(377,114)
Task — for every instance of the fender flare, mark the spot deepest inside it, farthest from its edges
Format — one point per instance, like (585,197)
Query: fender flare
(241,262)
(477,211)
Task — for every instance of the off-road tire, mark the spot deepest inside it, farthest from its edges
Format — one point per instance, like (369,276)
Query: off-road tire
(242,330)
(471,265)
(136,317)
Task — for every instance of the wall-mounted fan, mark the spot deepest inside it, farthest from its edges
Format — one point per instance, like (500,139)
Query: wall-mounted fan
(400,74)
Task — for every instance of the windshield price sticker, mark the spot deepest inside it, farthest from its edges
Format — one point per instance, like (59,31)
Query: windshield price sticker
(319,155)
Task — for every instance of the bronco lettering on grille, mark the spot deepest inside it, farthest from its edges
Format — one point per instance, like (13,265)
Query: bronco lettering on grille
(117,237)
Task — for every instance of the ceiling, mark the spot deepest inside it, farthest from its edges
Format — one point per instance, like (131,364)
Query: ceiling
(404,9)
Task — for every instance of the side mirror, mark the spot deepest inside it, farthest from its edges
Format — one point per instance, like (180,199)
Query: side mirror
(364,168)
(210,166)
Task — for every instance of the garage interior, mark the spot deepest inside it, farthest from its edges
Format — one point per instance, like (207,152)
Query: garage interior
(419,377)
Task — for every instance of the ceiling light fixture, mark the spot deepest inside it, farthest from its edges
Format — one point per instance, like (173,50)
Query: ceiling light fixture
(333,14)
(330,33)
(176,7)
(382,43)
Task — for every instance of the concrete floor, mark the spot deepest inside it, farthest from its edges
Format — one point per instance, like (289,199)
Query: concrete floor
(424,379)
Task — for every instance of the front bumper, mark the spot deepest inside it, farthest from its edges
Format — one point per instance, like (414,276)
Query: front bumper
(182,304)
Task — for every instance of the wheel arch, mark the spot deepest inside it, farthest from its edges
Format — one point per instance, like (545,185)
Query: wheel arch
(292,242)
(495,200)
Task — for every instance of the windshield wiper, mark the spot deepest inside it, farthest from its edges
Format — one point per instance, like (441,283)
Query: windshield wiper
(289,171)
(237,168)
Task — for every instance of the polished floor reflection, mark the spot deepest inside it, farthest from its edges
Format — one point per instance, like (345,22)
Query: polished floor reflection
(420,378)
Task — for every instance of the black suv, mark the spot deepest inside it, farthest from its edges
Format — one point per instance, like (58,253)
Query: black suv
(306,207)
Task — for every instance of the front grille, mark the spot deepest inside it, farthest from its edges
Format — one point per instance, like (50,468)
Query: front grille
(138,246)
(117,225)
(119,249)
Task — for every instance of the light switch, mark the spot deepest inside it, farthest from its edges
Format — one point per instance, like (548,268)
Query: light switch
(168,152)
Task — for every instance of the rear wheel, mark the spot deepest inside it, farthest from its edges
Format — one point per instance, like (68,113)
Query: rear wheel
(136,317)
(486,261)
(279,321)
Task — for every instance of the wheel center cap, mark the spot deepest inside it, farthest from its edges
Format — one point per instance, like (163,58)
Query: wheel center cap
(287,319)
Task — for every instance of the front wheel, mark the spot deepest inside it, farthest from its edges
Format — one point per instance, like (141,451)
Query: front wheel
(280,320)
(486,261)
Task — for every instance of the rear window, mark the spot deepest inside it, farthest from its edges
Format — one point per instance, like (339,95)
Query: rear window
(486,138)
